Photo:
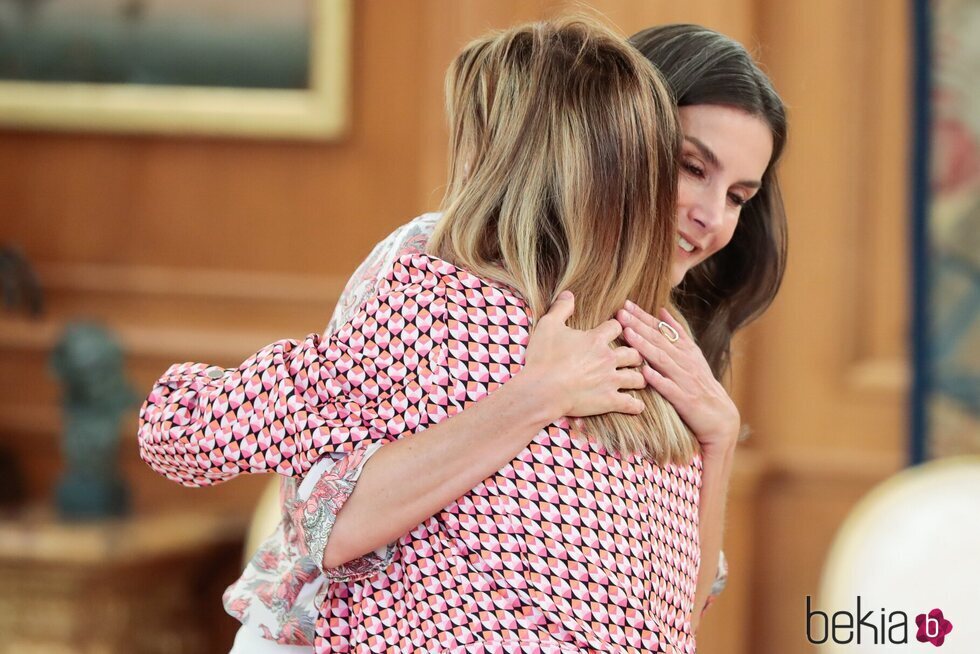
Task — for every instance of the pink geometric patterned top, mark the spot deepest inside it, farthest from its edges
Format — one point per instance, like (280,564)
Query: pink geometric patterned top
(568,548)
(280,588)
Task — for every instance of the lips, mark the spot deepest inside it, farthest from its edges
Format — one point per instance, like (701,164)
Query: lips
(685,244)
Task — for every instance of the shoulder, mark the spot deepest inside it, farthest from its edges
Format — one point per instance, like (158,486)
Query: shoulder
(447,300)
(486,325)
(413,236)
(482,325)
(420,227)
(462,289)
(479,313)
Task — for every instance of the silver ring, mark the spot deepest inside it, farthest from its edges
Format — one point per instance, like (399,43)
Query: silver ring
(668,331)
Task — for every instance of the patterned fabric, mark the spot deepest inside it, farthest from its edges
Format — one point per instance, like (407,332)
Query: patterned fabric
(950,297)
(276,594)
(411,237)
(286,614)
(567,548)
(718,585)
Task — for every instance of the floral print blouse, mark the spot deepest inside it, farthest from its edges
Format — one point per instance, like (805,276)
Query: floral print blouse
(283,583)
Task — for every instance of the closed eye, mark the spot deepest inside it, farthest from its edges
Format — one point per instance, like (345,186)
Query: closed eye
(694,169)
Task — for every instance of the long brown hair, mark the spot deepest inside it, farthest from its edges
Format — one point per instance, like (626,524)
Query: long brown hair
(563,148)
(737,284)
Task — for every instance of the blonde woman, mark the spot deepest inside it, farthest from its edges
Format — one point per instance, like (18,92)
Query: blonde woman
(579,540)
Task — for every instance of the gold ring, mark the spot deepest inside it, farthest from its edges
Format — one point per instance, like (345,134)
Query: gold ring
(668,331)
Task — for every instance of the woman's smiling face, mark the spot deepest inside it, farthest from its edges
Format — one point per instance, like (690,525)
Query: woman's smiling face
(723,157)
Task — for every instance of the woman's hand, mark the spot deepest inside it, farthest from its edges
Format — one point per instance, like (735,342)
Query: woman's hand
(679,372)
(577,370)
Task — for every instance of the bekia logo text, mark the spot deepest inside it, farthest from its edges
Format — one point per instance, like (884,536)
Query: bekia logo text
(844,627)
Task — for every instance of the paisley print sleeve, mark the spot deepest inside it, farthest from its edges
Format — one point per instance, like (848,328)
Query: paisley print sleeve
(319,500)
(721,578)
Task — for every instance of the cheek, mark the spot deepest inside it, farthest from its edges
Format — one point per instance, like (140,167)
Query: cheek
(686,191)
(726,233)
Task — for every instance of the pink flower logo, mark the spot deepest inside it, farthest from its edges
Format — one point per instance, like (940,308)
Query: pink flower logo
(932,627)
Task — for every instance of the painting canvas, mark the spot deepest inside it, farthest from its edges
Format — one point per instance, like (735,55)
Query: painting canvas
(946,325)
(247,67)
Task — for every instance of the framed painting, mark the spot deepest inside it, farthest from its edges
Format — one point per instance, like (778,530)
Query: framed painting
(205,67)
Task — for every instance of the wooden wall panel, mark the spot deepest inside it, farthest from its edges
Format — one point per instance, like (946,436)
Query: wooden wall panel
(231,204)
(829,362)
(846,202)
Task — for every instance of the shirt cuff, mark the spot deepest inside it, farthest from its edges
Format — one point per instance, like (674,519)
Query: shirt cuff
(319,498)
(721,580)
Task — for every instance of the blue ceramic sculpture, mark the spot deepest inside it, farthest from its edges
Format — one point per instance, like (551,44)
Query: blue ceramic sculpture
(89,364)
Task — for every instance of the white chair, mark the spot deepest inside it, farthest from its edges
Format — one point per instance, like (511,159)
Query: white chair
(911,545)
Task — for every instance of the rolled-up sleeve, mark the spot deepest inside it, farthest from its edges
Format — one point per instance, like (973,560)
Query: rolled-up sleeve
(294,401)
(319,499)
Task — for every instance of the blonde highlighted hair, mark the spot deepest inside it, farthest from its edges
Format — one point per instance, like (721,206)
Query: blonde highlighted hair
(563,145)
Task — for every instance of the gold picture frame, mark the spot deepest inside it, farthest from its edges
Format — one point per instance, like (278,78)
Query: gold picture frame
(319,111)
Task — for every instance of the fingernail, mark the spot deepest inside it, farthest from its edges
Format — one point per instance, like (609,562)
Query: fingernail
(564,295)
(630,305)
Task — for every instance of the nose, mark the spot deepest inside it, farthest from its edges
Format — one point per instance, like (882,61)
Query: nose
(707,212)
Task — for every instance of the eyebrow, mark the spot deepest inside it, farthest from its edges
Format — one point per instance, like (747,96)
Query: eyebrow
(712,159)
